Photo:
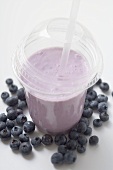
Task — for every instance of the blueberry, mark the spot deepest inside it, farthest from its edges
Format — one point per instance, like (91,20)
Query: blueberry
(21,119)
(12,101)
(70,157)
(71,145)
(9,81)
(57,159)
(104,116)
(60,139)
(86,104)
(29,127)
(85,120)
(62,149)
(99,82)
(112,94)
(10,124)
(81,127)
(102,98)
(4,95)
(16,131)
(89,89)
(93,140)
(24,138)
(15,144)
(104,87)
(47,139)
(22,105)
(82,140)
(102,107)
(21,94)
(10,108)
(19,112)
(3,117)
(2,125)
(88,131)
(11,114)
(25,148)
(97,123)
(93,104)
(36,141)
(81,148)
(5,134)
(87,112)
(73,134)
(91,95)
(13,88)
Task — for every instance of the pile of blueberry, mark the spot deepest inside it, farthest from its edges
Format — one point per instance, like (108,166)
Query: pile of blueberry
(16,127)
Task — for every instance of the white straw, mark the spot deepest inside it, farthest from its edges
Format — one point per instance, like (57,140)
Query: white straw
(69,36)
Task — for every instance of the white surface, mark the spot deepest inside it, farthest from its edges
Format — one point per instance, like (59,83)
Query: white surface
(18,17)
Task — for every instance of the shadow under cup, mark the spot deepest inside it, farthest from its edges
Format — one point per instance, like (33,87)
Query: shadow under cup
(56,102)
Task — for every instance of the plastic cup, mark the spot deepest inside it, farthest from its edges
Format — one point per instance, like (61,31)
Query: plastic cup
(56,103)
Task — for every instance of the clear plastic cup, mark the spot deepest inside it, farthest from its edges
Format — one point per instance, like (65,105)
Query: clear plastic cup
(56,103)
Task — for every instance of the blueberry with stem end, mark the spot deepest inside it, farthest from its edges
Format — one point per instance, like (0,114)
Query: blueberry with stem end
(104,87)
(97,122)
(25,148)
(5,134)
(102,107)
(15,144)
(9,81)
(16,131)
(70,157)
(81,148)
(47,139)
(104,116)
(36,141)
(24,138)
(87,112)
(4,95)
(13,88)
(21,119)
(29,126)
(60,139)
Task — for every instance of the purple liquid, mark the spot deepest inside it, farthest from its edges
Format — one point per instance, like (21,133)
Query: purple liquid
(54,115)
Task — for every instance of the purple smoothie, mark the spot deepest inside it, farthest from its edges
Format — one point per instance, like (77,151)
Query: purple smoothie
(55,114)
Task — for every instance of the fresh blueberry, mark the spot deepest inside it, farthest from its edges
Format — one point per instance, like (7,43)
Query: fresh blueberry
(73,134)
(86,104)
(71,145)
(104,87)
(93,104)
(10,124)
(93,140)
(19,112)
(88,131)
(87,112)
(47,139)
(3,117)
(91,95)
(104,116)
(21,94)
(99,82)
(89,89)
(9,81)
(29,127)
(81,149)
(13,88)
(22,105)
(15,144)
(60,139)
(5,134)
(10,108)
(24,138)
(21,119)
(36,141)
(25,148)
(102,98)
(57,159)
(4,95)
(2,125)
(11,114)
(12,101)
(97,122)
(85,120)
(81,127)
(70,157)
(82,140)
(16,131)
(62,149)
(102,107)
(112,94)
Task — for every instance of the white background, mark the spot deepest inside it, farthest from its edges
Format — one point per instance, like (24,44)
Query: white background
(17,18)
